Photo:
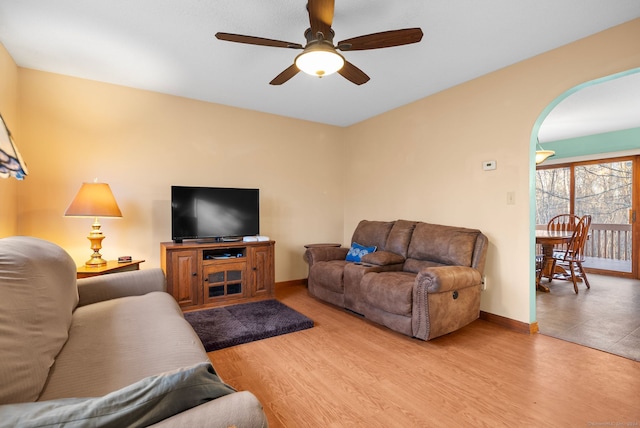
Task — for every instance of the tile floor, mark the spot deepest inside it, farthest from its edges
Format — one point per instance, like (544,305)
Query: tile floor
(605,317)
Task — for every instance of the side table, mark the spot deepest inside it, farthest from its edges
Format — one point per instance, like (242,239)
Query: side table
(112,266)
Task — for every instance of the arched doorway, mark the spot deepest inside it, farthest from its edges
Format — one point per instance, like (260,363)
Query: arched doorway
(568,157)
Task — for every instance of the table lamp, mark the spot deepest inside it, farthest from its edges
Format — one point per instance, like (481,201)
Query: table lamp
(94,200)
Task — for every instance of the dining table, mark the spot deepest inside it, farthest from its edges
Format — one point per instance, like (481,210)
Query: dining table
(548,239)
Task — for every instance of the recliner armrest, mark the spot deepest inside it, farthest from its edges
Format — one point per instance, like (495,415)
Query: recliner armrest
(112,286)
(447,278)
(382,258)
(323,254)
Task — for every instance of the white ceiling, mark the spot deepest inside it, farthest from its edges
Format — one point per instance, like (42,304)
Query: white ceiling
(609,106)
(168,46)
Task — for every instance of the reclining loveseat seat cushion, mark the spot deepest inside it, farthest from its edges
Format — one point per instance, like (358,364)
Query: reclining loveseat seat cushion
(387,299)
(328,274)
(391,292)
(437,245)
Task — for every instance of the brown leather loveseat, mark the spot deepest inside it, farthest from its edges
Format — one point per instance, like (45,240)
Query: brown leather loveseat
(423,279)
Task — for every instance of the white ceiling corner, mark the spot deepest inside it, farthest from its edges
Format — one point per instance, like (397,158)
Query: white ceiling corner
(168,46)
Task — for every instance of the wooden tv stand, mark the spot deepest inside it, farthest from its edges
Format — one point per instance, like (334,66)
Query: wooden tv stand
(201,275)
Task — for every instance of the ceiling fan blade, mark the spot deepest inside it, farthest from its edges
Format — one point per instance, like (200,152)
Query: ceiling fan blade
(321,16)
(353,73)
(287,74)
(385,39)
(250,40)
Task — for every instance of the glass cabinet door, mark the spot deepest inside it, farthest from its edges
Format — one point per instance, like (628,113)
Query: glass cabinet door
(224,281)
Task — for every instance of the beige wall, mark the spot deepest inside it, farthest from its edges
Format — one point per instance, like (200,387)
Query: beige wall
(421,161)
(431,155)
(9,187)
(142,142)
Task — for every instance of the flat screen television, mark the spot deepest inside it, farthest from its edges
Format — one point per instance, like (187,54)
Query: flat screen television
(214,213)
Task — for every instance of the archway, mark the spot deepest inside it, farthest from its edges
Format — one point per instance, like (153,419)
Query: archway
(532,171)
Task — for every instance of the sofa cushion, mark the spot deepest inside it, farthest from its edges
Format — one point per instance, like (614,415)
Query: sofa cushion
(400,236)
(415,266)
(446,245)
(357,251)
(372,233)
(329,274)
(145,402)
(383,258)
(117,342)
(390,291)
(37,296)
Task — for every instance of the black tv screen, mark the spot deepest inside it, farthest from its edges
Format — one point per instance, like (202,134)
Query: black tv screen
(214,213)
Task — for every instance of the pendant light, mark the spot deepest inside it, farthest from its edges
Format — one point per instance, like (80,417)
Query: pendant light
(541,154)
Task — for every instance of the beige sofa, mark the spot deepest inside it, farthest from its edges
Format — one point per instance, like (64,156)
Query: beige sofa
(423,279)
(111,350)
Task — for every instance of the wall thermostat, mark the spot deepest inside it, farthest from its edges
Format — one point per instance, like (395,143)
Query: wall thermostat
(489,165)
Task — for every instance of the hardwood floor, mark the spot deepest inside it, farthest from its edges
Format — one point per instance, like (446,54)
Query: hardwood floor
(349,372)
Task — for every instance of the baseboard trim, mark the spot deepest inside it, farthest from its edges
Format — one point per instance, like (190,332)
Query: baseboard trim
(518,326)
(291,283)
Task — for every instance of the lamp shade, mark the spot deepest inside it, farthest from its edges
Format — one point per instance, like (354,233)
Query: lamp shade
(542,155)
(94,200)
(319,60)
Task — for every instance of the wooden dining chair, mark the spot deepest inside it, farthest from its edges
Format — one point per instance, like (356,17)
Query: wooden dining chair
(572,257)
(563,223)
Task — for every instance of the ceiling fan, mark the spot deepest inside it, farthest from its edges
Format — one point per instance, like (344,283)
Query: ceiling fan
(319,56)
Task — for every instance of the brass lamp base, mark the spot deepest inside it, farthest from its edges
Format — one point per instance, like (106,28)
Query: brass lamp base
(95,237)
(96,261)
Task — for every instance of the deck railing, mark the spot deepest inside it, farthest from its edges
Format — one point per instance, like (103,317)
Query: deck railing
(607,241)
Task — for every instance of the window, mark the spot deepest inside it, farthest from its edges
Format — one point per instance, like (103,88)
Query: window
(602,189)
(553,193)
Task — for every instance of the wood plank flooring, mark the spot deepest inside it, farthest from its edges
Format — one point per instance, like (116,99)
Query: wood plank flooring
(349,372)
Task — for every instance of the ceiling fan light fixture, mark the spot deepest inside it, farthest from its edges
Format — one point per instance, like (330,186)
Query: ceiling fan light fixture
(319,60)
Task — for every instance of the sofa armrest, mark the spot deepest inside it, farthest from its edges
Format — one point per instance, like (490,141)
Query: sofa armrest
(382,258)
(240,409)
(112,286)
(323,254)
(447,278)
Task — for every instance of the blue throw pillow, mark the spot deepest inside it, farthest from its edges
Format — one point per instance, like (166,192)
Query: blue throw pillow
(357,251)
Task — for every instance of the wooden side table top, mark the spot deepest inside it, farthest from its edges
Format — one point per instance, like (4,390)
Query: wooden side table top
(112,266)
(322,245)
(304,256)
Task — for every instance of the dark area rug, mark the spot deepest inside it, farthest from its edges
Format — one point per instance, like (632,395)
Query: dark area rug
(220,328)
